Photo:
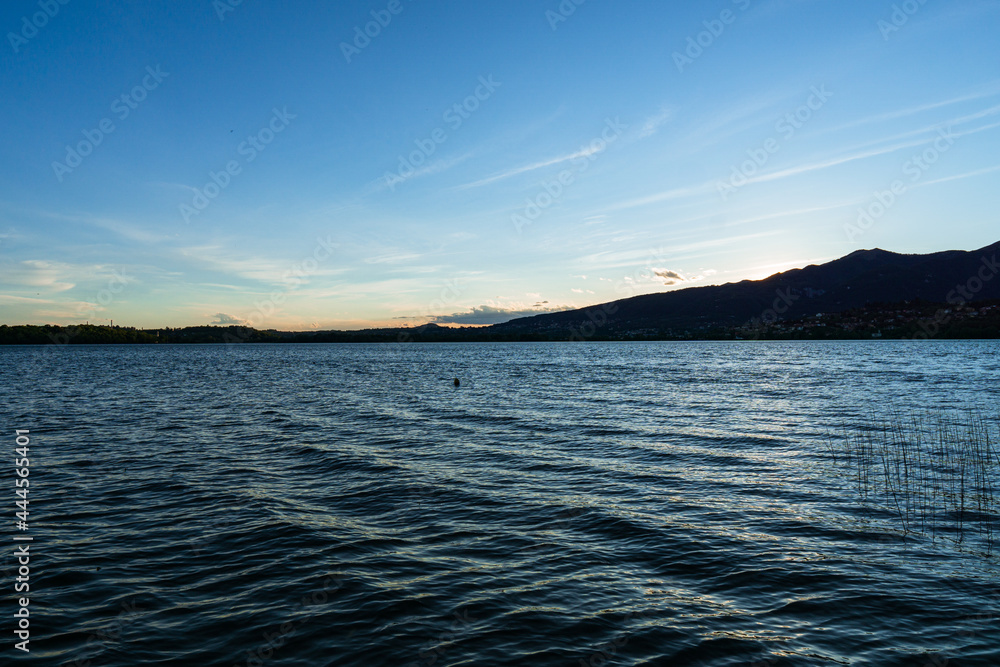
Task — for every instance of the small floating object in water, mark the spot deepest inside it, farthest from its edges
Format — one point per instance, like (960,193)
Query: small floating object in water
(457,382)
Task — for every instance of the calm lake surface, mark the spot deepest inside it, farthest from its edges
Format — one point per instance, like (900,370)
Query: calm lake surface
(569,504)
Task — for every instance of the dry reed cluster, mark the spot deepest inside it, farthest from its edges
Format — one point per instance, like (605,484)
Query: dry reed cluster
(937,474)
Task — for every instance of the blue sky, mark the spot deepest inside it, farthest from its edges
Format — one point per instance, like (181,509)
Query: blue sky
(195,162)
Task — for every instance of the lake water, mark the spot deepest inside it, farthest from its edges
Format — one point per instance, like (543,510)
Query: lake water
(568,504)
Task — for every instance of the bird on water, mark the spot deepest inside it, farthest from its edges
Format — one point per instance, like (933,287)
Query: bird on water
(457,382)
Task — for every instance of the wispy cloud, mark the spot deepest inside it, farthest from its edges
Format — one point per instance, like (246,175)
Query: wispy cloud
(9,298)
(261,269)
(128,230)
(173,186)
(125,229)
(833,162)
(970,174)
(652,124)
(437,166)
(214,257)
(666,195)
(741,116)
(530,167)
(892,148)
(393,179)
(39,274)
(916,137)
(902,113)
(392,258)
(614,259)
(785,214)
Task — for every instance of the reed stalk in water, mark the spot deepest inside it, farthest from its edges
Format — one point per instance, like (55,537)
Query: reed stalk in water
(935,474)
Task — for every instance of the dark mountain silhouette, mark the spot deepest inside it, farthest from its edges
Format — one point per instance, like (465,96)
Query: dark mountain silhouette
(859,279)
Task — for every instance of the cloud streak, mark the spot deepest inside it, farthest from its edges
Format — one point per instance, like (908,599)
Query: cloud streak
(652,124)
(586,152)
(902,113)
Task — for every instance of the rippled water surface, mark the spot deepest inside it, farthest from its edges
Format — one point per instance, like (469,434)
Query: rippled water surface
(568,504)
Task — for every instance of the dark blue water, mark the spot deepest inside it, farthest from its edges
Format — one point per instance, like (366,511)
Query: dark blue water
(569,504)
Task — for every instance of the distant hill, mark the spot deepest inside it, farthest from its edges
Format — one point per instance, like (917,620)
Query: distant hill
(857,280)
